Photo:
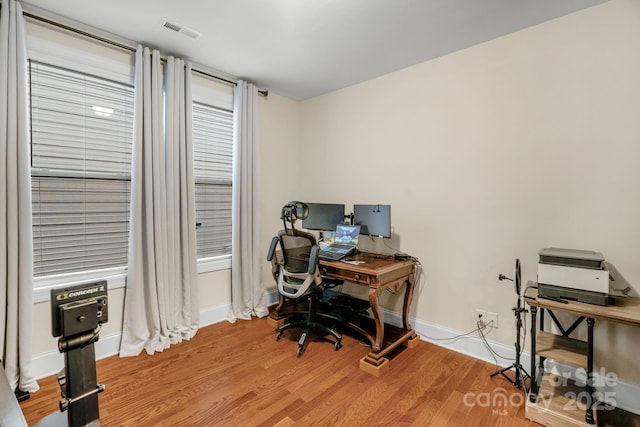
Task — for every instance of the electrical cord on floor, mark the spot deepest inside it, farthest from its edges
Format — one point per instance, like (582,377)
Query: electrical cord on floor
(486,343)
(456,337)
(480,330)
(418,272)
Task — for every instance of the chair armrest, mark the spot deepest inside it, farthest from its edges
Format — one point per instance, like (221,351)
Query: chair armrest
(272,248)
(313,259)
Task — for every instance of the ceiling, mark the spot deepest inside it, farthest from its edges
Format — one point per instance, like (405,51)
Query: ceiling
(304,48)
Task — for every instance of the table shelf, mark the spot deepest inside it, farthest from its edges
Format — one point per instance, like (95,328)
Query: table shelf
(556,405)
(562,349)
(546,404)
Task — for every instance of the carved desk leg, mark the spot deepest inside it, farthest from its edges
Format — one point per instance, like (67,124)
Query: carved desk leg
(276,317)
(374,302)
(374,362)
(413,340)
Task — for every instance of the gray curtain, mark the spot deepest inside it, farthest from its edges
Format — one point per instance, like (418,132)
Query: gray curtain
(181,190)
(247,294)
(161,301)
(16,244)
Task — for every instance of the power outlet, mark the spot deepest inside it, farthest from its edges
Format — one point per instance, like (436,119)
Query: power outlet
(481,318)
(491,319)
(486,318)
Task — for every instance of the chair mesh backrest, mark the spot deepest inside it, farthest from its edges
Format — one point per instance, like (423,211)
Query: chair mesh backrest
(296,249)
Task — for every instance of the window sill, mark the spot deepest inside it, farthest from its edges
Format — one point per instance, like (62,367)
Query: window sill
(116,277)
(206,265)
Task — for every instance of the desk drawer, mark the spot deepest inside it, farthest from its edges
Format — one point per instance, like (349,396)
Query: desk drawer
(350,276)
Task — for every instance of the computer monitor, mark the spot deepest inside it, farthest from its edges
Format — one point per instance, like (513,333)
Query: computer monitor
(323,216)
(374,220)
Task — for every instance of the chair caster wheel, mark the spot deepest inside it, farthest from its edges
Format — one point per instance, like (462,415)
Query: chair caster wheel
(299,352)
(338,346)
(278,336)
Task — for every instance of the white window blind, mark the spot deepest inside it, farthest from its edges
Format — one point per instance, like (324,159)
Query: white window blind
(213,153)
(82,128)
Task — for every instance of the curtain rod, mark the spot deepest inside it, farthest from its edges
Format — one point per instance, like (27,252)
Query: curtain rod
(123,46)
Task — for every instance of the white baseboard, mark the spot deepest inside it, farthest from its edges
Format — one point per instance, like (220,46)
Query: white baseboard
(211,315)
(272,297)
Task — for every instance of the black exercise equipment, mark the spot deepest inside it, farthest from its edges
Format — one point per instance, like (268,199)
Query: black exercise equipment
(77,314)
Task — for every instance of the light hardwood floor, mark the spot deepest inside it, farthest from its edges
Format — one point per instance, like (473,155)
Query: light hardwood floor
(239,375)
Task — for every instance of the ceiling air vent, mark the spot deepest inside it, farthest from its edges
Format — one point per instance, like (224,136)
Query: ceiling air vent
(173,26)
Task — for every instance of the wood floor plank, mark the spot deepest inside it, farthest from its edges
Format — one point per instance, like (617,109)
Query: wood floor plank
(239,375)
(408,385)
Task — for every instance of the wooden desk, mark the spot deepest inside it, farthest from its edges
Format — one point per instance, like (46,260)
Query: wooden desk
(545,404)
(378,274)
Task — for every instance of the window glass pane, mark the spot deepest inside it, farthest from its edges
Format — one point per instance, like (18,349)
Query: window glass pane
(213,172)
(79,224)
(82,128)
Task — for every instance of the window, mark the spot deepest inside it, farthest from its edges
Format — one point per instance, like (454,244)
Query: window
(82,128)
(213,153)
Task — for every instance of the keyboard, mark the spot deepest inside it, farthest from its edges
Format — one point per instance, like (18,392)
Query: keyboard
(332,254)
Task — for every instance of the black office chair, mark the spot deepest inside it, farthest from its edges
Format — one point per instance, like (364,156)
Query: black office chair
(297,275)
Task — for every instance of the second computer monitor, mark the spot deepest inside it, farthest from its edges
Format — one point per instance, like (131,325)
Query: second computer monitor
(374,220)
(323,216)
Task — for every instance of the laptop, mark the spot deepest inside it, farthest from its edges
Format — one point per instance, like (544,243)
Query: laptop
(344,242)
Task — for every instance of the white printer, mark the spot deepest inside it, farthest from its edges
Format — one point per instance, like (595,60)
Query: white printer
(573,274)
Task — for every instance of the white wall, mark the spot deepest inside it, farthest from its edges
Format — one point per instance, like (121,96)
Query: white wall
(492,153)
(281,167)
